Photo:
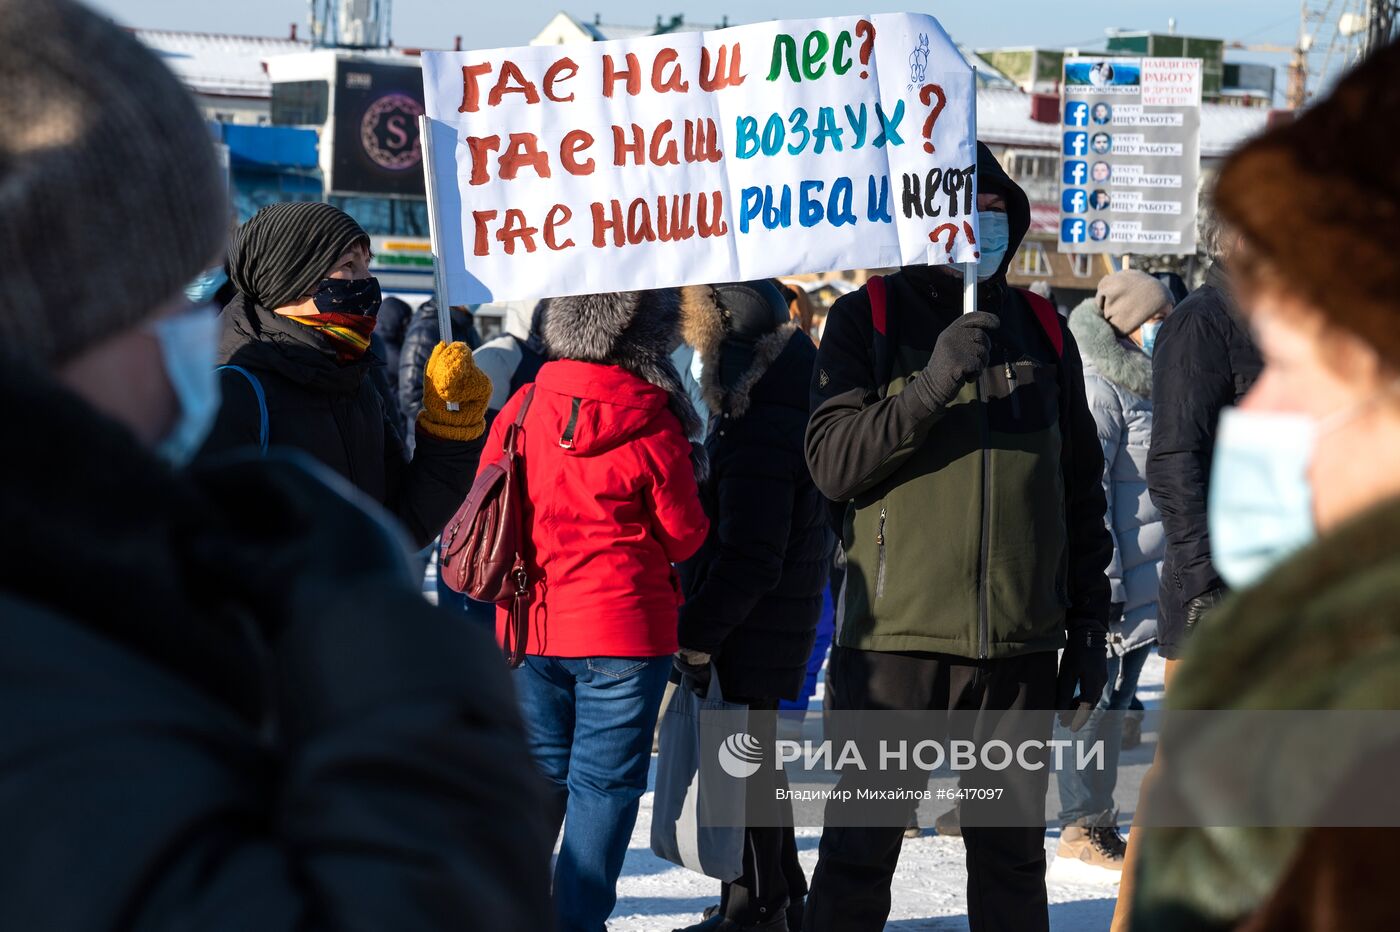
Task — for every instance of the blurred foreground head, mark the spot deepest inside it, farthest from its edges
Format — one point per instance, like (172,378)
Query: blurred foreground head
(111,200)
(1317,205)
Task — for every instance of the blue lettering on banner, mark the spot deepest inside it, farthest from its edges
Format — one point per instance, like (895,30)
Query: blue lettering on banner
(1076,143)
(818,130)
(1076,172)
(1076,113)
(813,203)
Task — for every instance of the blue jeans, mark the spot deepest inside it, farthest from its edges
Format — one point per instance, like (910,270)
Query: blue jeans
(589,721)
(1087,793)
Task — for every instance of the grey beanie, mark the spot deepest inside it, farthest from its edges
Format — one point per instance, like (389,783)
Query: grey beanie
(111,197)
(286,248)
(1130,298)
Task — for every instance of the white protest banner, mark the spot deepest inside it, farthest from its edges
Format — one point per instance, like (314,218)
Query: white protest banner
(742,153)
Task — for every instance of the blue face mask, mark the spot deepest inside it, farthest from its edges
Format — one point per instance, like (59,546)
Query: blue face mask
(203,288)
(189,347)
(995,231)
(1149,335)
(1260,508)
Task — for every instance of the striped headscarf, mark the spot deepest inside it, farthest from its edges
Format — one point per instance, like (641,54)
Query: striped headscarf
(286,248)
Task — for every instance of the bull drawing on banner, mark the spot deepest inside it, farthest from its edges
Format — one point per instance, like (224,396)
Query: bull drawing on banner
(918,62)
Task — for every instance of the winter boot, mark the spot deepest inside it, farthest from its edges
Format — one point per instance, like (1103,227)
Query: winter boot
(1094,841)
(949,823)
(912,830)
(718,923)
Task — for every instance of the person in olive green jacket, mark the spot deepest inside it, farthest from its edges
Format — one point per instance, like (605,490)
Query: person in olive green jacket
(968,464)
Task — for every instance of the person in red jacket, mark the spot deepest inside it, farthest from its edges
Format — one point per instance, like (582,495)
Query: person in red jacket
(611,503)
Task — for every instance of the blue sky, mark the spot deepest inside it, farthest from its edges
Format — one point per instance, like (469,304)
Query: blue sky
(981,23)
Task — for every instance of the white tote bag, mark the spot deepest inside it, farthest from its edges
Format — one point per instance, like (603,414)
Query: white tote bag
(698,813)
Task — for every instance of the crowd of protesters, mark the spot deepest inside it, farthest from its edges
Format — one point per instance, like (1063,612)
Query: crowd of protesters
(224,702)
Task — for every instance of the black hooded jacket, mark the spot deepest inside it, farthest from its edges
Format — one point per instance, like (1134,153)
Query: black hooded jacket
(225,705)
(973,528)
(754,589)
(335,414)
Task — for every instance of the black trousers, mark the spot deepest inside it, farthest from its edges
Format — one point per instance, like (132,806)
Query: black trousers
(1006,866)
(772,877)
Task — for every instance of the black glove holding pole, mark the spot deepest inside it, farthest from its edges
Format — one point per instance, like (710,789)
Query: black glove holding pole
(963,350)
(1083,676)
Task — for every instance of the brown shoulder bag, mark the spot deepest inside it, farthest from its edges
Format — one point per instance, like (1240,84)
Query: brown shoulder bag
(483,546)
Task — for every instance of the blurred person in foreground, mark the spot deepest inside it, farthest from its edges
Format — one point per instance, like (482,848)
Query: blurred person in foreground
(223,705)
(1305,527)
(754,590)
(1116,331)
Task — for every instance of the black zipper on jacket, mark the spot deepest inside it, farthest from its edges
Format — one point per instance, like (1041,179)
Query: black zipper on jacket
(1011,390)
(984,544)
(880,562)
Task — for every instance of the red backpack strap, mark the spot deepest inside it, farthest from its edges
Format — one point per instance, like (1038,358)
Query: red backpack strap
(1049,319)
(880,320)
(875,290)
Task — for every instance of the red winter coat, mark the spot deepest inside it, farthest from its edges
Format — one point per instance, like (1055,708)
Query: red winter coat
(607,516)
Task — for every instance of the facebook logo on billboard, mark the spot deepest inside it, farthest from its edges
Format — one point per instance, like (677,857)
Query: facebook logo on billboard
(1076,113)
(1076,143)
(1074,201)
(1076,173)
(1073,231)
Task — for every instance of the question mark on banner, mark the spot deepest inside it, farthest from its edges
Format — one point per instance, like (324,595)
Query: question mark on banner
(865,28)
(925,92)
(971,238)
(952,229)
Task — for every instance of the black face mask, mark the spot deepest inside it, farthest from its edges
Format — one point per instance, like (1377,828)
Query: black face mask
(347,296)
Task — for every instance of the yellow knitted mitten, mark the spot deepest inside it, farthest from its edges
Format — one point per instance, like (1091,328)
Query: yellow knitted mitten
(451,377)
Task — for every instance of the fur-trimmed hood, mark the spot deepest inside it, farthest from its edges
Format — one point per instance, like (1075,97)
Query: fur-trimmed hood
(704,327)
(634,330)
(1125,366)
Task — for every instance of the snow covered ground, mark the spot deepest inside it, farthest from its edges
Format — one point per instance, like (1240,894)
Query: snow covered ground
(930,885)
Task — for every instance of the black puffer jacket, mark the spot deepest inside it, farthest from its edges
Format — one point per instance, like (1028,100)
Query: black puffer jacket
(754,590)
(1204,361)
(199,733)
(335,414)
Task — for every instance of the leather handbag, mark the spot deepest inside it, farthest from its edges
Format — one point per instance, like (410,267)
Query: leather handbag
(484,545)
